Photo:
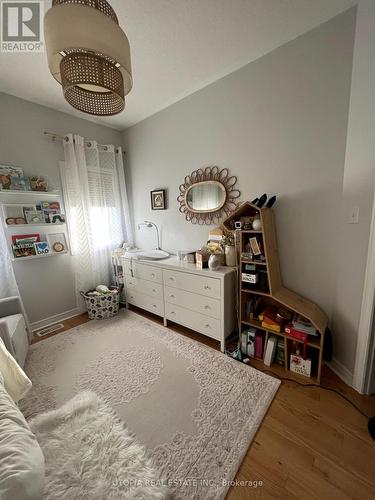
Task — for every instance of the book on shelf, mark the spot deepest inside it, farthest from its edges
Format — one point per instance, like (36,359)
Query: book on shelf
(302,324)
(25,238)
(269,355)
(269,319)
(280,350)
(23,250)
(248,338)
(295,334)
(251,307)
(271,326)
(259,345)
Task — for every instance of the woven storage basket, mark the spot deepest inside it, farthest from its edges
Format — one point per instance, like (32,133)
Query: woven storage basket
(102,306)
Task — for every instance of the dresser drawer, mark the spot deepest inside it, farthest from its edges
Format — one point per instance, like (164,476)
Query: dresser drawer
(202,285)
(192,301)
(138,270)
(151,304)
(196,321)
(144,287)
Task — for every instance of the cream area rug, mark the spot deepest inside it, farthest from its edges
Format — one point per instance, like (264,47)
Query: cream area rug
(87,451)
(195,409)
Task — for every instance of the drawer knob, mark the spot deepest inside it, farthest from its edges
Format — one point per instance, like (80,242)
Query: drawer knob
(172,296)
(171,278)
(207,326)
(207,287)
(152,275)
(132,296)
(172,312)
(207,307)
(153,305)
(154,290)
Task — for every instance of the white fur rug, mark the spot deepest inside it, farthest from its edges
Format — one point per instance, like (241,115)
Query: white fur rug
(90,454)
(194,409)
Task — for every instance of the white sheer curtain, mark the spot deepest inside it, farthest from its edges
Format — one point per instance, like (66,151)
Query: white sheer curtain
(8,285)
(97,207)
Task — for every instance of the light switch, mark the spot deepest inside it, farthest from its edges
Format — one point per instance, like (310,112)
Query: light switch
(353,215)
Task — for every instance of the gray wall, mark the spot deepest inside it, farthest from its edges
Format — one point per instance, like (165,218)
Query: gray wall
(46,285)
(280,125)
(358,189)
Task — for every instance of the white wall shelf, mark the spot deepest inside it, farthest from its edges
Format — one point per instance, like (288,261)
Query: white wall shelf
(30,193)
(42,224)
(30,257)
(7,199)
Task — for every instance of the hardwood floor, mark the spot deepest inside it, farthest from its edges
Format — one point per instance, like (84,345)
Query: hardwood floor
(68,324)
(312,444)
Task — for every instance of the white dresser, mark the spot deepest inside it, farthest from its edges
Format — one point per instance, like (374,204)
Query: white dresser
(202,300)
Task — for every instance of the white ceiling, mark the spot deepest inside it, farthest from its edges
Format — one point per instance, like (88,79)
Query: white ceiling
(178,47)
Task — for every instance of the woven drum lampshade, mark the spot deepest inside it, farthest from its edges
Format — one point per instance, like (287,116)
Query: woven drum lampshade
(89,54)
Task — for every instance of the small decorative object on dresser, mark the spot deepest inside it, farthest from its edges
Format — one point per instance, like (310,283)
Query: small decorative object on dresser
(158,201)
(201,259)
(217,256)
(214,262)
(227,243)
(230,256)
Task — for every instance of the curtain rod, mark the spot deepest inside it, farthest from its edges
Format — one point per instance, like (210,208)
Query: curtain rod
(58,137)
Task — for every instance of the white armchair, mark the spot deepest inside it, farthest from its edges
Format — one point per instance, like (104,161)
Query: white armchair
(15,330)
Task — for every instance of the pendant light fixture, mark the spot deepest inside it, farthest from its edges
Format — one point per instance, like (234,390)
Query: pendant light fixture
(89,55)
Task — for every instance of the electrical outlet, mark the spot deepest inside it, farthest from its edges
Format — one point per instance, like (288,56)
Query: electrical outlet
(353,215)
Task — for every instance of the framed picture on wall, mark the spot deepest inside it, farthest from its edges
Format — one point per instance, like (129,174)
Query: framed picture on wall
(158,200)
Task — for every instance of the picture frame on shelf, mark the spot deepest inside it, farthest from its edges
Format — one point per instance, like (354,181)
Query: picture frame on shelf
(12,221)
(57,242)
(255,246)
(158,199)
(35,217)
(51,211)
(23,250)
(18,239)
(20,183)
(41,248)
(56,218)
(20,220)
(38,184)
(6,174)
(15,214)
(49,206)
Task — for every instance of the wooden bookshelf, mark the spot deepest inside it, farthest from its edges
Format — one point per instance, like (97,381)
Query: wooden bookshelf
(276,293)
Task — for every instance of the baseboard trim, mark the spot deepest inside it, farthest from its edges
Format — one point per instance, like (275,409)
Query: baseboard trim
(55,319)
(341,371)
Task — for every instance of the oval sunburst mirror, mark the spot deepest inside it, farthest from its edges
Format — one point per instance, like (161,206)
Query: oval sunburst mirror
(207,195)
